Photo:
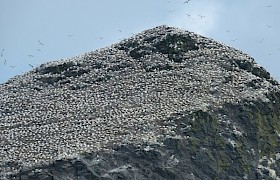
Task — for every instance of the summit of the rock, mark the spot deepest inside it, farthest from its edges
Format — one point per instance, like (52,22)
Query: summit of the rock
(164,91)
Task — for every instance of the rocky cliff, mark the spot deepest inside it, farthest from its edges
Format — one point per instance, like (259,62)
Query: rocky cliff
(164,104)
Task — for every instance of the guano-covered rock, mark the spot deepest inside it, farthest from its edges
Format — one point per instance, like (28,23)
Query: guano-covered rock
(163,104)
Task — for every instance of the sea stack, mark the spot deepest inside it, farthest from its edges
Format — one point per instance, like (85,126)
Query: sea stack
(164,104)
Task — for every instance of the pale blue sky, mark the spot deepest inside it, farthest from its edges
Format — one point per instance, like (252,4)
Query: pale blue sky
(67,28)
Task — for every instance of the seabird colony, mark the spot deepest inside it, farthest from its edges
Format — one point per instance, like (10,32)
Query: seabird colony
(109,97)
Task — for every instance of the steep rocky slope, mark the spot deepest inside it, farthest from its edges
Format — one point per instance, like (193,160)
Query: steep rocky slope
(164,104)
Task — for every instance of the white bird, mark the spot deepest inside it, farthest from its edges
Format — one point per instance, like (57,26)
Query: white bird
(185,2)
(40,43)
(260,41)
(201,16)
(2,53)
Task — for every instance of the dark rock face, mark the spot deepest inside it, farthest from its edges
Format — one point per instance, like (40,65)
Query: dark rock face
(173,45)
(164,104)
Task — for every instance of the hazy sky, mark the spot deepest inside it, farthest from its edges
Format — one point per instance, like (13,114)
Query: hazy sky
(35,31)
